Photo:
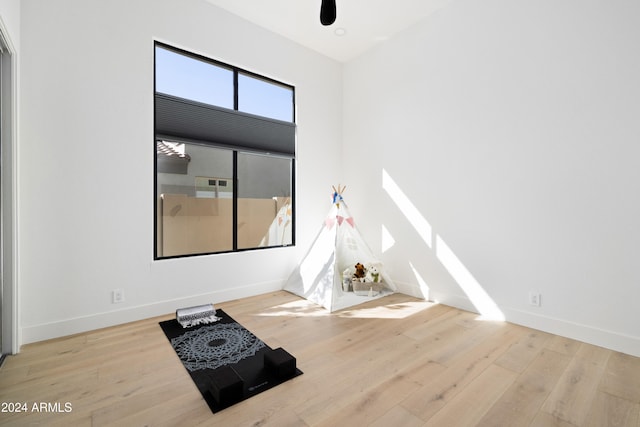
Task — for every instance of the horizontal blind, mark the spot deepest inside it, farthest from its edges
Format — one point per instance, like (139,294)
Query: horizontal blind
(185,119)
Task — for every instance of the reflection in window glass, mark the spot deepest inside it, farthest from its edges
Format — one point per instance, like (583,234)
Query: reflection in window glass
(195,202)
(264,201)
(264,98)
(187,77)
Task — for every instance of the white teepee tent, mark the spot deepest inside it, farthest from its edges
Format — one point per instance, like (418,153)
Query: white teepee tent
(337,247)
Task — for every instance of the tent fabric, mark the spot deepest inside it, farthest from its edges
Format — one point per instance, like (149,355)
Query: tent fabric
(338,246)
(279,233)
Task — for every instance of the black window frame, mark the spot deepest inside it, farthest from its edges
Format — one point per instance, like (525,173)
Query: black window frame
(271,148)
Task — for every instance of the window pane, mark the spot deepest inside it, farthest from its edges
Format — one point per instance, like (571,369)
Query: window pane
(264,201)
(198,209)
(190,78)
(264,98)
(195,200)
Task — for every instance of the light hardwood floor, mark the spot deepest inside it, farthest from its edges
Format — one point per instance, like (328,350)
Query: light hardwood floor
(394,362)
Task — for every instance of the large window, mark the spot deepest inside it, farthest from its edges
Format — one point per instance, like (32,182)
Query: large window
(225,157)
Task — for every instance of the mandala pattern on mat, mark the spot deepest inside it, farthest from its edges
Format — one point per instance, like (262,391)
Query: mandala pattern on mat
(210,347)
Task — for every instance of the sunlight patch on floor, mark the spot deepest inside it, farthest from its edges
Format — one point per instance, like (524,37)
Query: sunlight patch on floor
(399,310)
(298,308)
(372,310)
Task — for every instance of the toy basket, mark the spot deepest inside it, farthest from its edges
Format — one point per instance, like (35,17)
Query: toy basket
(365,288)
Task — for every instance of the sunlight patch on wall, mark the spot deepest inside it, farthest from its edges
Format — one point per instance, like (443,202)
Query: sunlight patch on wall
(424,288)
(476,294)
(480,299)
(423,228)
(387,239)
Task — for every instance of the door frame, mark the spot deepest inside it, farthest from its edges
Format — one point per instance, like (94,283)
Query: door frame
(9,339)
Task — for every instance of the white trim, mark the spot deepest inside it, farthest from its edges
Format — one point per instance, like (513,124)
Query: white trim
(585,333)
(627,344)
(76,325)
(589,334)
(461,302)
(13,138)
(412,290)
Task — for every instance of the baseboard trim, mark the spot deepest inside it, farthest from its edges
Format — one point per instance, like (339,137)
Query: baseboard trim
(46,331)
(600,337)
(612,340)
(412,290)
(585,333)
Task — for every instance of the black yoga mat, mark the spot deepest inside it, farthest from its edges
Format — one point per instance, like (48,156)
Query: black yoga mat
(216,353)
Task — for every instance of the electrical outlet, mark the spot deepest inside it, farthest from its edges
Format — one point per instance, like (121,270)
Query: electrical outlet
(117,296)
(535,299)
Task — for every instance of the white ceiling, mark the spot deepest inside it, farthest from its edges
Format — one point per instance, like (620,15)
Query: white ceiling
(366,22)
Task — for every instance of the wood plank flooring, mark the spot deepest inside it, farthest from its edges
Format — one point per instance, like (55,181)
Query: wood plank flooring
(395,362)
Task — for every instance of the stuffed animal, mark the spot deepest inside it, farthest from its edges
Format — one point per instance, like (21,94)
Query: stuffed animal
(360,271)
(373,274)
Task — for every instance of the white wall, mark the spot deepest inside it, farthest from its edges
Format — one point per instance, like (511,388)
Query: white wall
(86,159)
(512,128)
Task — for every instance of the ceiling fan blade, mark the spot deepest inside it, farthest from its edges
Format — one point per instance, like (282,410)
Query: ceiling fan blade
(328,12)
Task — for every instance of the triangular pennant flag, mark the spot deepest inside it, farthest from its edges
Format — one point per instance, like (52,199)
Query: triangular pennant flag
(351,222)
(340,219)
(329,223)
